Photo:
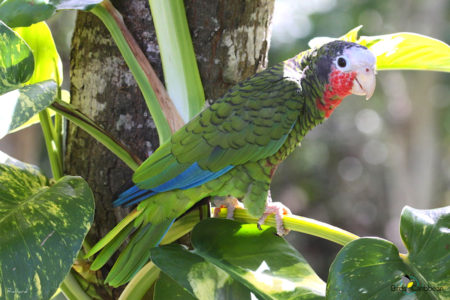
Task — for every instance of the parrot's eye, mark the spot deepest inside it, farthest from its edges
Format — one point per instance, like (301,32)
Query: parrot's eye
(341,62)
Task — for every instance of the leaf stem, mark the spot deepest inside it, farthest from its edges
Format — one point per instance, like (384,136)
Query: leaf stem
(51,145)
(81,120)
(179,63)
(299,224)
(72,289)
(160,105)
(58,118)
(141,282)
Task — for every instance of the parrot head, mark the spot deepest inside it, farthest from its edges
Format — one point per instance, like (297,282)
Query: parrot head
(344,68)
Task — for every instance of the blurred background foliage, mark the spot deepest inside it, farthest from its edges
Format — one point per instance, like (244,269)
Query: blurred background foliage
(358,169)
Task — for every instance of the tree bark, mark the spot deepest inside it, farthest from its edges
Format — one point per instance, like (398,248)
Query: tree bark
(231,41)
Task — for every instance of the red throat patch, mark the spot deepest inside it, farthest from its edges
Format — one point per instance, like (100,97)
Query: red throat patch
(339,86)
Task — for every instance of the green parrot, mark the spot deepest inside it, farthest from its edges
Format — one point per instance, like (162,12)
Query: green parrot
(233,147)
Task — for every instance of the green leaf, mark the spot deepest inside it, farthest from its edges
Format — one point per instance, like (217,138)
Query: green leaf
(372,268)
(65,95)
(16,60)
(41,230)
(167,288)
(48,64)
(19,106)
(408,51)
(197,276)
(426,235)
(17,13)
(262,261)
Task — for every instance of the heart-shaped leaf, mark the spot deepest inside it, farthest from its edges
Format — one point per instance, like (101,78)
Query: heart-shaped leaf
(19,106)
(17,13)
(41,230)
(16,60)
(197,276)
(372,268)
(264,262)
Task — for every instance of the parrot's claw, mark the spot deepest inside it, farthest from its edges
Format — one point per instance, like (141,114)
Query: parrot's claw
(230,203)
(279,209)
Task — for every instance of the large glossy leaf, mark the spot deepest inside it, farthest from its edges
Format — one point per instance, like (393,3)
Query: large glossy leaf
(16,60)
(19,106)
(372,268)
(197,276)
(261,260)
(48,63)
(18,13)
(41,230)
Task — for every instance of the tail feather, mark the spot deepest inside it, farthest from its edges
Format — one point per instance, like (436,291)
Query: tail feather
(137,252)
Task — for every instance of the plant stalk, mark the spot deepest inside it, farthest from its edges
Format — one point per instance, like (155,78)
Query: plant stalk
(299,224)
(81,120)
(51,144)
(72,289)
(179,63)
(141,282)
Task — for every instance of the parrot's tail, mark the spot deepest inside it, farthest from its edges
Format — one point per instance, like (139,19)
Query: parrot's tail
(132,196)
(137,252)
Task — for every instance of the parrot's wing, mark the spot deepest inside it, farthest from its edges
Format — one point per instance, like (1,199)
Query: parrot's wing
(251,122)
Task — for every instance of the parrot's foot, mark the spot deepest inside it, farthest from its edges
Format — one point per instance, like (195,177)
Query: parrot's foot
(230,203)
(279,209)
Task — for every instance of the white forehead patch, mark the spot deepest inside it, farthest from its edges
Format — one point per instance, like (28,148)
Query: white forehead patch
(358,57)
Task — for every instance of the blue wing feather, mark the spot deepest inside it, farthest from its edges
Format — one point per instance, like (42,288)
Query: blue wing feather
(191,177)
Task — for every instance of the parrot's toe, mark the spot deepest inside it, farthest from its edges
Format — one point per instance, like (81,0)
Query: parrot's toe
(278,209)
(230,203)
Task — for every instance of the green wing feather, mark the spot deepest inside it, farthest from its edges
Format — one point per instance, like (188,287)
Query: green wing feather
(250,122)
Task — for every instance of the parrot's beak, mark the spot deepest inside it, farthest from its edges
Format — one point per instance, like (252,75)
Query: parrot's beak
(364,83)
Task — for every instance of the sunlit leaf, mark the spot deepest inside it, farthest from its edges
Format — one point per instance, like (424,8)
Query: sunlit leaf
(18,13)
(372,268)
(264,262)
(406,50)
(48,64)
(16,60)
(41,230)
(352,35)
(19,106)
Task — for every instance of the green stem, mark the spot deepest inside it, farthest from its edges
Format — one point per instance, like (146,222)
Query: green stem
(50,143)
(178,59)
(141,282)
(58,118)
(299,224)
(141,70)
(81,120)
(72,289)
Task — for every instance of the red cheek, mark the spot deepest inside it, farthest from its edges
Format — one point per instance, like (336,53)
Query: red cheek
(339,86)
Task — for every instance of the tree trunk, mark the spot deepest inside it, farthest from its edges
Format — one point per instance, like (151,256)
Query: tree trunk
(231,40)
